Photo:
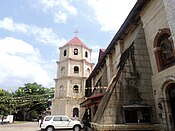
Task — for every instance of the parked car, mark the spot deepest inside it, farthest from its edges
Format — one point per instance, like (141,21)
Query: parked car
(53,122)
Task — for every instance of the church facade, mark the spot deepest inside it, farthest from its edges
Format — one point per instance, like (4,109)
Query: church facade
(73,68)
(138,68)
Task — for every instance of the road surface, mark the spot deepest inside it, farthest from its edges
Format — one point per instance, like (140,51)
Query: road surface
(23,126)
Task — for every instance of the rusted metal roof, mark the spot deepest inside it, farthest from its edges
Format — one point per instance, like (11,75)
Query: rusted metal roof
(92,100)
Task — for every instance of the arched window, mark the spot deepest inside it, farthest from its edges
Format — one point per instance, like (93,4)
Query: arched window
(88,72)
(86,54)
(75,51)
(76,69)
(61,91)
(63,70)
(75,89)
(164,49)
(75,112)
(65,52)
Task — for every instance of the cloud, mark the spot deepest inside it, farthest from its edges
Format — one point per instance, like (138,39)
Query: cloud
(8,24)
(21,63)
(47,36)
(94,56)
(59,9)
(95,46)
(60,17)
(43,35)
(111,14)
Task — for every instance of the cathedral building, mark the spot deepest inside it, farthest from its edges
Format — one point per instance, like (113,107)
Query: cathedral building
(73,68)
(136,73)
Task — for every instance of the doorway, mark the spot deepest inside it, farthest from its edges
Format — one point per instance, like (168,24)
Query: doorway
(75,112)
(171,94)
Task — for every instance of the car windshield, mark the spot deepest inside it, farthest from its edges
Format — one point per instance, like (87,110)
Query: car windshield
(48,118)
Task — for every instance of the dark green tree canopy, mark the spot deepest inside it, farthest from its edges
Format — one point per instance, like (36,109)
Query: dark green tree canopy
(33,98)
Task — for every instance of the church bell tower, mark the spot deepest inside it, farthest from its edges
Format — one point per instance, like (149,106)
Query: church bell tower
(73,68)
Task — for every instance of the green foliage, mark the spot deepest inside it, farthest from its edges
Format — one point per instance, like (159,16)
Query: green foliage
(33,89)
(7,105)
(32,99)
(4,93)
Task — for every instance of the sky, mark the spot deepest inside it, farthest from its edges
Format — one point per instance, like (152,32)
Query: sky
(31,32)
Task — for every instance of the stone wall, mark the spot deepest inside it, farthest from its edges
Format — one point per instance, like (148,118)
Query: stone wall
(135,82)
(140,81)
(160,14)
(153,18)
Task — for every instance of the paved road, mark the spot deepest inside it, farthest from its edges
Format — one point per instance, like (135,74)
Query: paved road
(26,126)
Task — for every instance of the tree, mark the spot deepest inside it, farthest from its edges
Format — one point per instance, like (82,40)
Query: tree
(32,98)
(30,89)
(26,102)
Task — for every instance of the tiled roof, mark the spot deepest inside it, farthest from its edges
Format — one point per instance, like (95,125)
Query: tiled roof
(76,41)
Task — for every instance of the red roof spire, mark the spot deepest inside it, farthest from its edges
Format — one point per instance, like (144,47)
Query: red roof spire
(76,41)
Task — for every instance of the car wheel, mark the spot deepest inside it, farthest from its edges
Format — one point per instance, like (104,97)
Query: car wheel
(50,128)
(77,128)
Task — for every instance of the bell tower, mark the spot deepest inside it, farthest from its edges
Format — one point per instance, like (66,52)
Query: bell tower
(73,68)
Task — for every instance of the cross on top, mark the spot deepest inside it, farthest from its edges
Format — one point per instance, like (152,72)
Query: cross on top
(76,32)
